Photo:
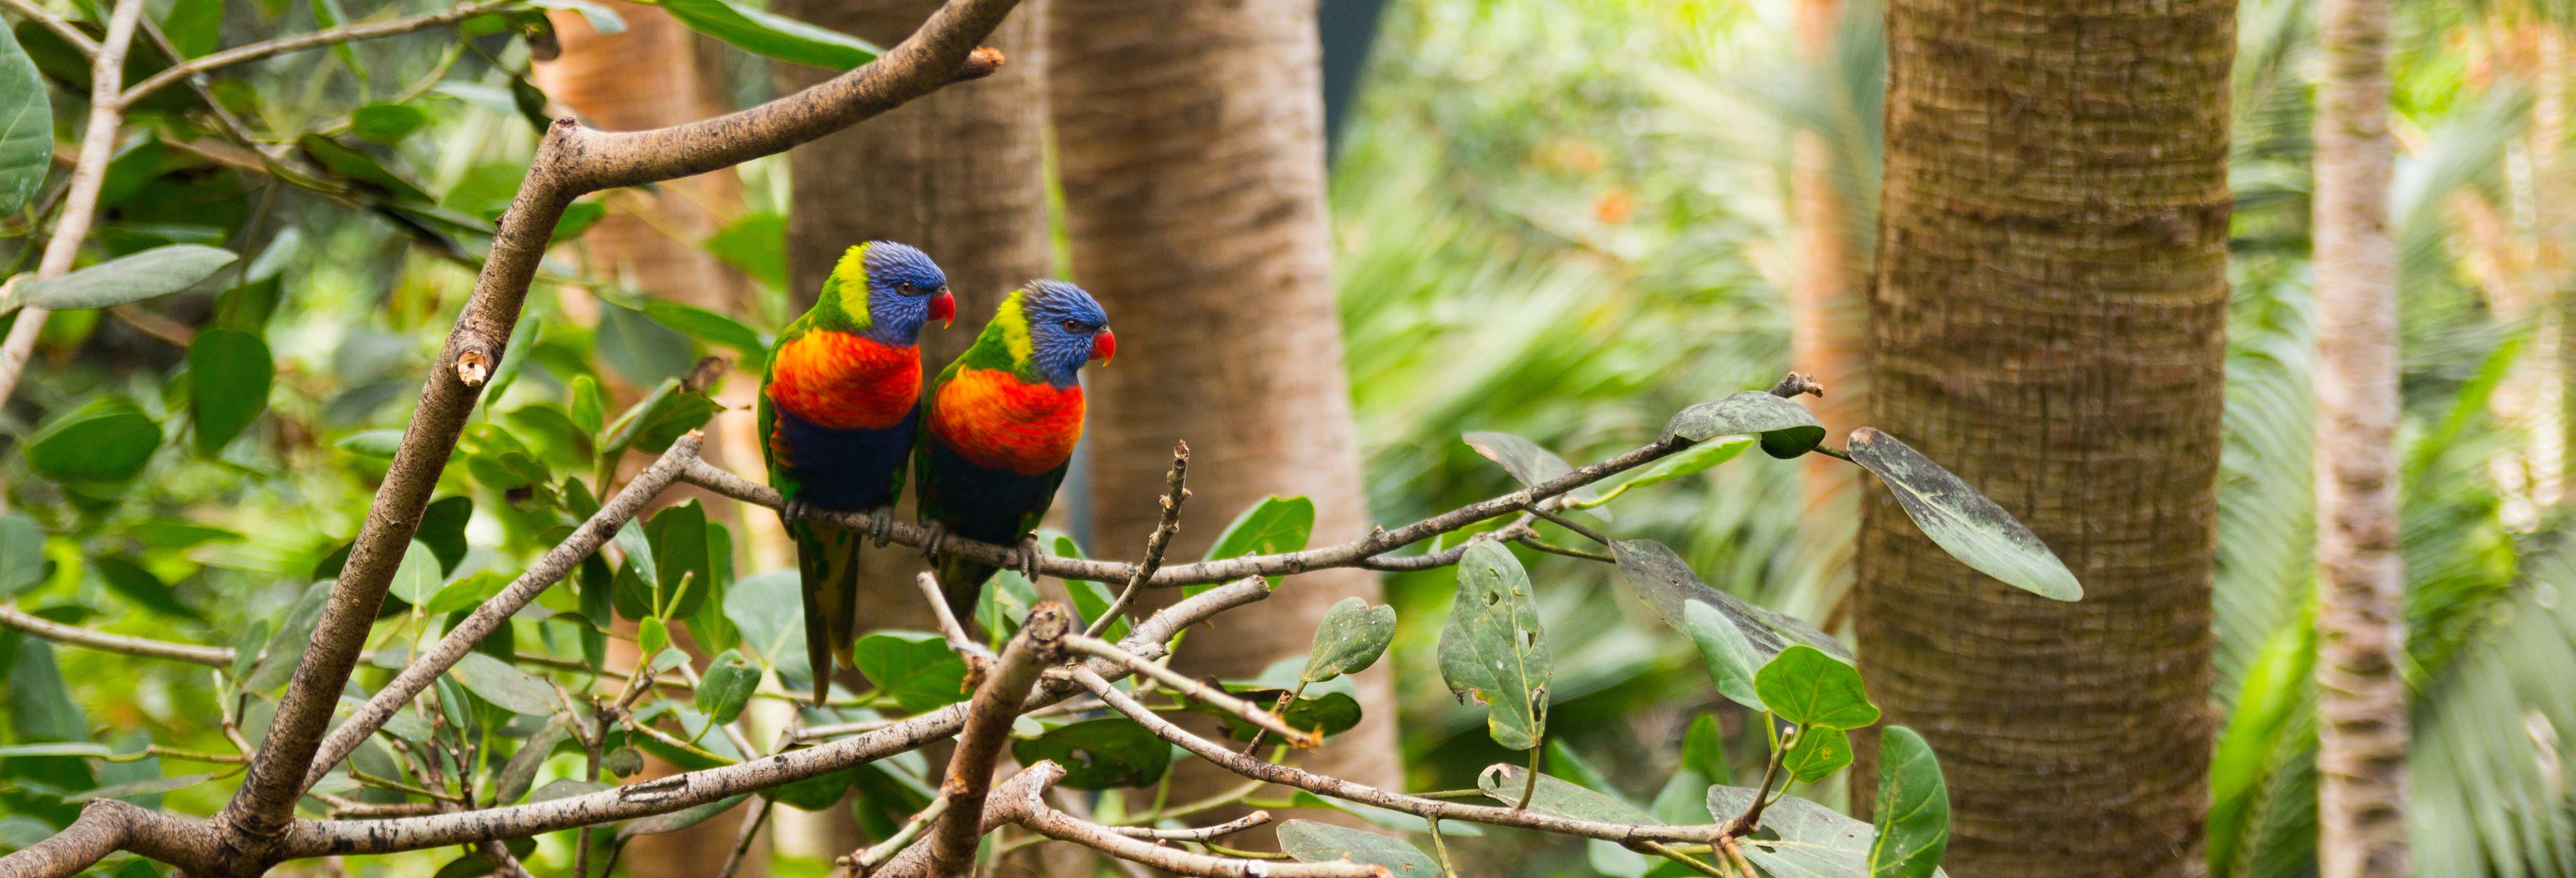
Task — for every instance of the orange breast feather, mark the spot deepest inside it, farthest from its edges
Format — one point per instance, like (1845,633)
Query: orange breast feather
(843,382)
(994,419)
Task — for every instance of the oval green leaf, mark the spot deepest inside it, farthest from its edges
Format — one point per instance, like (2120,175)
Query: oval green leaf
(229,372)
(1807,687)
(1817,753)
(1351,637)
(773,35)
(1729,658)
(1312,842)
(1503,782)
(1493,647)
(508,687)
(26,127)
(916,668)
(155,272)
(1272,526)
(1787,428)
(1100,754)
(1913,813)
(1962,521)
(105,441)
(727,686)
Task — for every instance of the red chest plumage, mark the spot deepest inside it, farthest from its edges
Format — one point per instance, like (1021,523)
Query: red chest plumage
(844,382)
(993,418)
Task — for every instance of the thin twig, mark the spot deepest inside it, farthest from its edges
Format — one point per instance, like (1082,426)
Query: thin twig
(1563,522)
(1203,833)
(313,40)
(1194,689)
(1696,864)
(761,806)
(1567,551)
(57,632)
(61,28)
(987,728)
(1440,846)
(1175,491)
(949,627)
(863,862)
(89,173)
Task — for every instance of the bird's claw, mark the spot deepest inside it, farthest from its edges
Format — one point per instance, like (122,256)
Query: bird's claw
(1029,557)
(930,544)
(795,511)
(881,525)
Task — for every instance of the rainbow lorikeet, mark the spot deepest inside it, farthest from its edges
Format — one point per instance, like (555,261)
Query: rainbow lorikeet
(838,413)
(1001,424)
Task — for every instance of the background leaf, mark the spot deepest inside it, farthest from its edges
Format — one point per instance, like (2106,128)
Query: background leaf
(26,127)
(229,372)
(510,688)
(1312,842)
(1099,754)
(108,440)
(915,667)
(156,272)
(1502,782)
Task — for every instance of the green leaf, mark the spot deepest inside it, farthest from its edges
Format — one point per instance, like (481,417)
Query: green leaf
(371,443)
(679,538)
(654,422)
(1331,713)
(1351,637)
(1667,585)
(1704,749)
(65,748)
(136,584)
(1913,813)
(155,272)
(712,328)
(195,27)
(361,168)
(326,15)
(442,529)
(466,593)
(1817,753)
(417,578)
(767,609)
(1809,840)
(1729,658)
(1099,754)
(22,553)
(26,127)
(1962,521)
(521,770)
(228,377)
(914,667)
(1312,842)
(152,786)
(1272,526)
(1503,782)
(1807,687)
(727,686)
(105,441)
(1526,461)
(653,635)
(756,245)
(386,123)
(577,218)
(1005,600)
(677,820)
(773,35)
(40,706)
(1688,461)
(1787,428)
(505,686)
(1493,648)
(585,409)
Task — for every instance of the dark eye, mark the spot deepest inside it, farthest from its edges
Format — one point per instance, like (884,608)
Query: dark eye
(907,288)
(1070,326)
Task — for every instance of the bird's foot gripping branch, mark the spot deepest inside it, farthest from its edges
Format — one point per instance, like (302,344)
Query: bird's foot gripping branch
(454,750)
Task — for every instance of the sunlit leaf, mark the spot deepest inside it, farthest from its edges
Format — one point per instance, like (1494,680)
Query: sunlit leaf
(1807,687)
(915,668)
(1272,526)
(1492,646)
(1351,637)
(1817,753)
(1723,650)
(1962,521)
(155,272)
(769,34)
(1787,428)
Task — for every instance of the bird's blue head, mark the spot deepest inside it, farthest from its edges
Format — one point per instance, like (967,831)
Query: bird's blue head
(1066,330)
(904,290)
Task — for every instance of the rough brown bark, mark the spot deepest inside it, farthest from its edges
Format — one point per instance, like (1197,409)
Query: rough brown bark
(2049,321)
(652,75)
(1190,144)
(2362,725)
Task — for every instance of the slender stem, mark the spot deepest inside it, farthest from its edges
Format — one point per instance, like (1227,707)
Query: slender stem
(1568,551)
(1276,708)
(1155,543)
(1538,752)
(949,627)
(89,173)
(1440,845)
(1695,863)
(1751,819)
(1830,451)
(866,861)
(1568,524)
(761,807)
(214,656)
(313,40)
(1193,689)
(1203,833)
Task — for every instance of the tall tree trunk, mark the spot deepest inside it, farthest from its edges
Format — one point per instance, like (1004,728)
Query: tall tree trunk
(960,174)
(1190,144)
(2049,322)
(647,76)
(2361,699)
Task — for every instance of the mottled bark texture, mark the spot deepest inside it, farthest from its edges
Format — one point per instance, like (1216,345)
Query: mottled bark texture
(2361,633)
(653,74)
(1190,144)
(2049,321)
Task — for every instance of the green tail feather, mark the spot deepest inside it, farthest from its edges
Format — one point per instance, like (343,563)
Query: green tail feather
(829,559)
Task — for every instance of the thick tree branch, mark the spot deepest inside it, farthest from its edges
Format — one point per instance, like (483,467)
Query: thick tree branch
(1194,689)
(57,632)
(315,40)
(105,827)
(557,563)
(988,727)
(329,837)
(1367,795)
(1366,552)
(569,162)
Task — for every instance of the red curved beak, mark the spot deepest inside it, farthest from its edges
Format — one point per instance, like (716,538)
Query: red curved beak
(943,308)
(1104,346)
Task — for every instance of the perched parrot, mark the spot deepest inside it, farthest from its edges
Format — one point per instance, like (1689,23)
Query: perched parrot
(1001,424)
(838,410)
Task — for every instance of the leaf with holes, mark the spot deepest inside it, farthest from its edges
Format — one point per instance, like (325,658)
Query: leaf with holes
(1099,754)
(1809,688)
(1493,647)
(1962,521)
(1817,753)
(1351,637)
(1312,842)
(1787,428)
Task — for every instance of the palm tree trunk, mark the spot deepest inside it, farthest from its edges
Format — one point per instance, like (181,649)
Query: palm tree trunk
(1190,144)
(647,76)
(2361,699)
(2049,321)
